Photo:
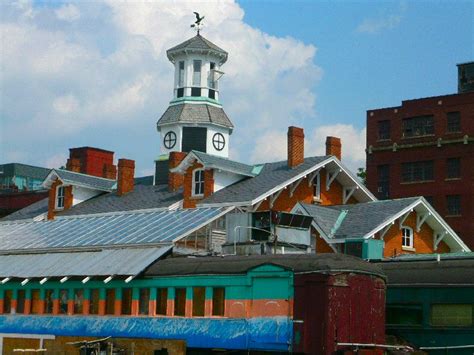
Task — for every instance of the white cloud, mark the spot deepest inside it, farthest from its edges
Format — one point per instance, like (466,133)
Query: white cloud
(110,72)
(56,161)
(68,12)
(373,26)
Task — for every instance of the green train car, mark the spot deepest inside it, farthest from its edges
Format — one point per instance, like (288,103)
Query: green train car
(430,302)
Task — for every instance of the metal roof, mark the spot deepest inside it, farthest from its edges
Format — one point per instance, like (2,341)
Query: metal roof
(194,113)
(123,262)
(301,263)
(196,43)
(84,180)
(152,227)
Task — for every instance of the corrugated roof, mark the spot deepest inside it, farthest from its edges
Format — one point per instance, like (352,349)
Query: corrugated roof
(70,177)
(324,263)
(271,176)
(195,113)
(197,42)
(215,162)
(106,230)
(18,169)
(120,262)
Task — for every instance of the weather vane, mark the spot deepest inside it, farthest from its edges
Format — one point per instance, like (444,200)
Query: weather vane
(197,24)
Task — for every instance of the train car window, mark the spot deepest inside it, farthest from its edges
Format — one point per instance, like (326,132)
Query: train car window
(404,314)
(144,301)
(199,298)
(454,315)
(126,301)
(94,301)
(20,301)
(218,301)
(63,298)
(78,301)
(35,301)
(162,301)
(180,302)
(110,301)
(48,301)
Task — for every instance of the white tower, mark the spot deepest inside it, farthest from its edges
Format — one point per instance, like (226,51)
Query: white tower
(195,119)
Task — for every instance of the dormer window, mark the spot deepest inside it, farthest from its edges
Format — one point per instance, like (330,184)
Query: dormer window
(60,197)
(407,237)
(317,188)
(198,182)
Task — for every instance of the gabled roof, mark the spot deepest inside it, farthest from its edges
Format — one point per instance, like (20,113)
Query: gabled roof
(117,262)
(140,198)
(274,177)
(78,179)
(110,230)
(196,43)
(194,113)
(364,220)
(215,162)
(18,169)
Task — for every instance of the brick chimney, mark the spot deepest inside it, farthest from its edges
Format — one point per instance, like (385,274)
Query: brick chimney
(333,146)
(109,171)
(126,173)
(295,146)
(175,180)
(73,164)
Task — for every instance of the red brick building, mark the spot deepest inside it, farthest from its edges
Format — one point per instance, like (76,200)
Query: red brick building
(425,147)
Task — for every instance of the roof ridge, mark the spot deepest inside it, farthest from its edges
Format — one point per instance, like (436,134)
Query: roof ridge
(82,174)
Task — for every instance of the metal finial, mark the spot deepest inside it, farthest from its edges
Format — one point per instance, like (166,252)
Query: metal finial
(197,24)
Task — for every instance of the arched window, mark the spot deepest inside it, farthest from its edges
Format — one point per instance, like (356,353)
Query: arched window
(407,237)
(198,182)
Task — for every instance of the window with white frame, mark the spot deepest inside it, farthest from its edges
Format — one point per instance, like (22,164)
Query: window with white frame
(60,197)
(407,237)
(317,188)
(198,182)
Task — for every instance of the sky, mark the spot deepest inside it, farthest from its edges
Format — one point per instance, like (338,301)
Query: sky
(95,73)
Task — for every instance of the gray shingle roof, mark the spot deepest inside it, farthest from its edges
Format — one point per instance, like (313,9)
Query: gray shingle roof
(195,113)
(197,43)
(18,169)
(142,197)
(212,161)
(271,176)
(29,212)
(70,177)
(360,218)
(324,263)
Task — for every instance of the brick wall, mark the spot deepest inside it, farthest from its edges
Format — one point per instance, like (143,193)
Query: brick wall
(451,145)
(190,201)
(422,240)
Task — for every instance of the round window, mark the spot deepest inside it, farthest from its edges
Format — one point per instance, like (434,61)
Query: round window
(218,141)
(169,140)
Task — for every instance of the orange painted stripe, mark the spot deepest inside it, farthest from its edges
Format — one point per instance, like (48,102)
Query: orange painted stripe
(14,305)
(101,307)
(208,308)
(118,307)
(188,311)
(56,306)
(270,308)
(1,305)
(134,308)
(27,307)
(169,308)
(86,305)
(151,307)
(70,307)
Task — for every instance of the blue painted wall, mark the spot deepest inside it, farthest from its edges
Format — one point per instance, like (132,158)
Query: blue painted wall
(257,333)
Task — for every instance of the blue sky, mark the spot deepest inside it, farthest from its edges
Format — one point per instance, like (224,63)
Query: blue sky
(95,73)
